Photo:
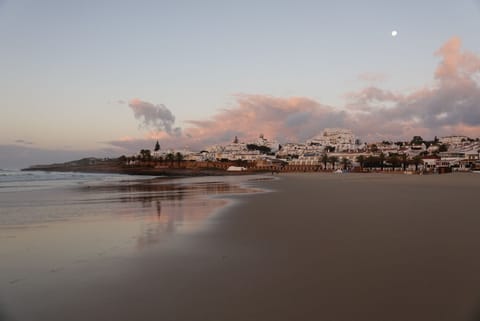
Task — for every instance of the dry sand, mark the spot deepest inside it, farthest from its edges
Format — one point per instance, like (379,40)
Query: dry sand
(320,247)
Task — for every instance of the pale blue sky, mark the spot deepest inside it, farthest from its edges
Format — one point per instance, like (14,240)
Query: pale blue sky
(65,64)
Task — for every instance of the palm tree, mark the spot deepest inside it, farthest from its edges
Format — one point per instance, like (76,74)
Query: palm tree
(324,160)
(394,160)
(178,157)
(345,163)
(333,160)
(170,157)
(361,161)
(146,154)
(404,161)
(417,160)
(381,159)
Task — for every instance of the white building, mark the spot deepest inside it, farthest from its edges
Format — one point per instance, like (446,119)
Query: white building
(291,149)
(262,141)
(341,139)
(240,151)
(453,140)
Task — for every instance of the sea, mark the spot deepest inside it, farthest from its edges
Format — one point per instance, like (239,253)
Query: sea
(60,229)
(13,180)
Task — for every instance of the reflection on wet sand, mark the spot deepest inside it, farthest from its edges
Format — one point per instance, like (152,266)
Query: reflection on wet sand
(164,207)
(72,234)
(133,192)
(43,230)
(181,215)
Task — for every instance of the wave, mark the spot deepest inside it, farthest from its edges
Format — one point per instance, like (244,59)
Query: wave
(16,180)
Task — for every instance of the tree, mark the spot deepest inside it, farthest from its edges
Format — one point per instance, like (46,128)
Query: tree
(381,160)
(361,161)
(394,160)
(170,158)
(262,149)
(345,163)
(146,154)
(417,160)
(324,160)
(333,160)
(417,140)
(178,157)
(404,159)
(157,147)
(443,148)
(372,162)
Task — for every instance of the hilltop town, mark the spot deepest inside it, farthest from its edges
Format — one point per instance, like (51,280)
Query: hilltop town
(334,149)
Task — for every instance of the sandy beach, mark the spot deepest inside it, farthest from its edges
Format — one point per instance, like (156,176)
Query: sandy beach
(317,247)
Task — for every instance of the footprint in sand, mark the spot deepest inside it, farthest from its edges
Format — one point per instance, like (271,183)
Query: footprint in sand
(15,281)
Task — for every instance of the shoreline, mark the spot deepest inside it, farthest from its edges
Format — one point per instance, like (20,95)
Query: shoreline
(146,171)
(216,169)
(327,247)
(158,211)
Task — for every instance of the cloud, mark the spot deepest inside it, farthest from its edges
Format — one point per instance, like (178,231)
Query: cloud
(156,117)
(451,105)
(284,119)
(456,65)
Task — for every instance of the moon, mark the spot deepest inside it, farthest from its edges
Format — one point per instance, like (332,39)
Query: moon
(394,33)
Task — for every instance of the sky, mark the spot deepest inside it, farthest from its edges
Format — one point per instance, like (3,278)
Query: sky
(106,78)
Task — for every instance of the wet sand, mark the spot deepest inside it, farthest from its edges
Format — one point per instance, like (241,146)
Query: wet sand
(319,247)
(58,238)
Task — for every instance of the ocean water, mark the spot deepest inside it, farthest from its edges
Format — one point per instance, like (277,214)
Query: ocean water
(28,198)
(19,181)
(75,228)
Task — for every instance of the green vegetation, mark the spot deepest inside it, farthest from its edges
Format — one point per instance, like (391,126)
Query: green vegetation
(333,160)
(262,149)
(324,160)
(361,160)
(345,162)
(146,154)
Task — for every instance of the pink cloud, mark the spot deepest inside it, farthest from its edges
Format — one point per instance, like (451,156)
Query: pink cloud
(450,106)
(456,65)
(280,118)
